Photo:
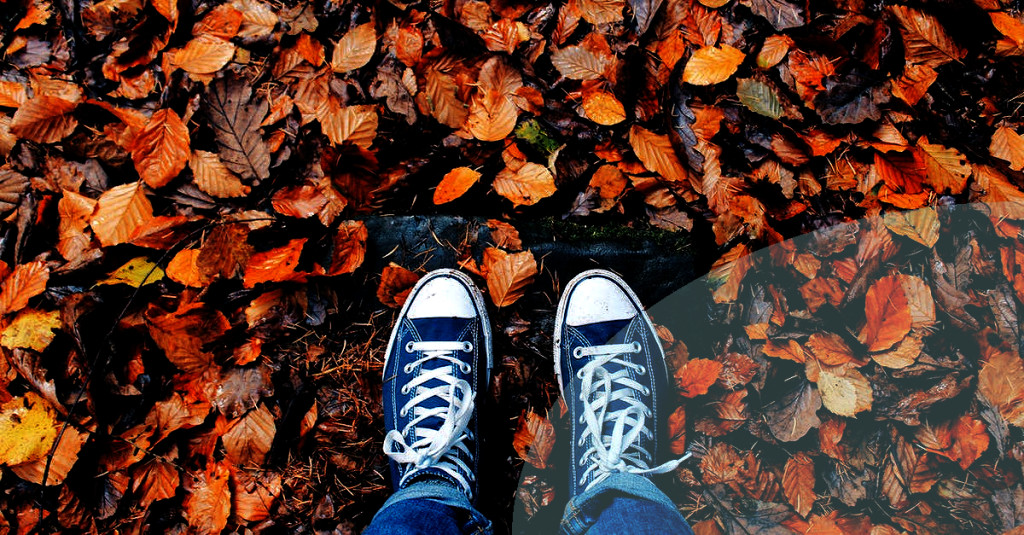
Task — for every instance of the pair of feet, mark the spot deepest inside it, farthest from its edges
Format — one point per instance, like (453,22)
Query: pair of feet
(608,360)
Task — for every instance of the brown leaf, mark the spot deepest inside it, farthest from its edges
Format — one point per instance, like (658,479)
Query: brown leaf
(161,149)
(677,430)
(355,124)
(61,462)
(696,376)
(355,48)
(534,439)
(44,119)
(254,494)
(829,348)
(656,153)
(120,211)
(455,184)
(504,235)
(970,440)
(213,177)
(798,483)
(249,438)
(727,273)
(579,63)
(236,120)
(207,501)
(712,64)
(302,202)
(946,169)
(888,314)
(349,247)
(1001,381)
(527,186)
(773,50)
(492,115)
(913,84)
(12,186)
(440,96)
(780,13)
(395,284)
(157,478)
(920,225)
(24,282)
(509,275)
(225,252)
(603,108)
(205,54)
(904,354)
(183,333)
(12,94)
(1008,145)
(924,38)
(793,414)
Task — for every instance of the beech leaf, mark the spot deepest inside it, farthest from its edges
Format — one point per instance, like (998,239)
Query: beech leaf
(509,275)
(236,121)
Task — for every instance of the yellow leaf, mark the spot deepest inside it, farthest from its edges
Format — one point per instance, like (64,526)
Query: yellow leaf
(945,168)
(136,272)
(27,429)
(119,211)
(355,49)
(921,225)
(844,391)
(712,65)
(32,329)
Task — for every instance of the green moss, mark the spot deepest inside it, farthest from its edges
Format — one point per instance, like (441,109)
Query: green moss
(638,236)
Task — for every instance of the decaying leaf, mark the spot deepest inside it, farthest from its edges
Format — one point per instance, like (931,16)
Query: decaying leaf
(534,439)
(236,119)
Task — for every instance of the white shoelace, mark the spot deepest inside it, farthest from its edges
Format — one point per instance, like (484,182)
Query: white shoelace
(620,451)
(434,448)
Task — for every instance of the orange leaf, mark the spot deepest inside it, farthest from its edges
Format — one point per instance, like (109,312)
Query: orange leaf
(534,439)
(75,211)
(455,184)
(25,282)
(160,150)
(492,115)
(527,186)
(395,284)
(1001,381)
(1008,145)
(349,247)
(798,483)
(254,494)
(213,177)
(888,314)
(656,153)
(608,181)
(44,119)
(355,49)
(275,265)
(925,40)
(222,21)
(248,439)
(184,270)
(790,351)
(677,430)
(970,440)
(355,124)
(12,94)
(509,275)
(301,202)
(205,54)
(182,334)
(773,50)
(158,479)
(207,501)
(829,348)
(579,63)
(902,173)
(64,458)
(711,65)
(696,376)
(119,212)
(603,108)
(913,84)
(727,273)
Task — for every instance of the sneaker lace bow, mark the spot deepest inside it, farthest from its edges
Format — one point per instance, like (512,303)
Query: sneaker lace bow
(435,446)
(619,451)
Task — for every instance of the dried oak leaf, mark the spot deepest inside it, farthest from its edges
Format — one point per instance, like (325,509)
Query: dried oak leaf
(181,334)
(454,184)
(120,211)
(395,284)
(798,483)
(534,439)
(236,120)
(696,376)
(207,503)
(161,149)
(349,247)
(249,438)
(24,282)
(355,48)
(508,275)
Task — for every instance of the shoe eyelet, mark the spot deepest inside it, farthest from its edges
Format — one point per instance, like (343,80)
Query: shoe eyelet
(580,442)
(641,371)
(647,391)
(408,347)
(636,347)
(407,368)
(577,353)
(467,347)
(582,420)
(405,390)
(465,369)
(403,413)
(579,374)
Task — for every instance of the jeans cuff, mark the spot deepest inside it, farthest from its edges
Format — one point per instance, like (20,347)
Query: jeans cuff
(442,492)
(582,511)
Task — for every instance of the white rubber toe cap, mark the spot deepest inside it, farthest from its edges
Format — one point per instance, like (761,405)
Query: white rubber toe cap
(442,297)
(598,299)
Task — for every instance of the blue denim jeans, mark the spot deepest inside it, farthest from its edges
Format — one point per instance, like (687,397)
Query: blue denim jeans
(621,504)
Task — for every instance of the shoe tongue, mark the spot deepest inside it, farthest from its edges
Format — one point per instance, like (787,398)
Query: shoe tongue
(441,329)
(438,330)
(603,333)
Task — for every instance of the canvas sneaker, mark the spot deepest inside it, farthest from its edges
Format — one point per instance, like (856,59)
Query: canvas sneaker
(437,360)
(611,371)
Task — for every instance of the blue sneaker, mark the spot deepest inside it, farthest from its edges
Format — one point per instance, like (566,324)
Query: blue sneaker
(438,358)
(611,371)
